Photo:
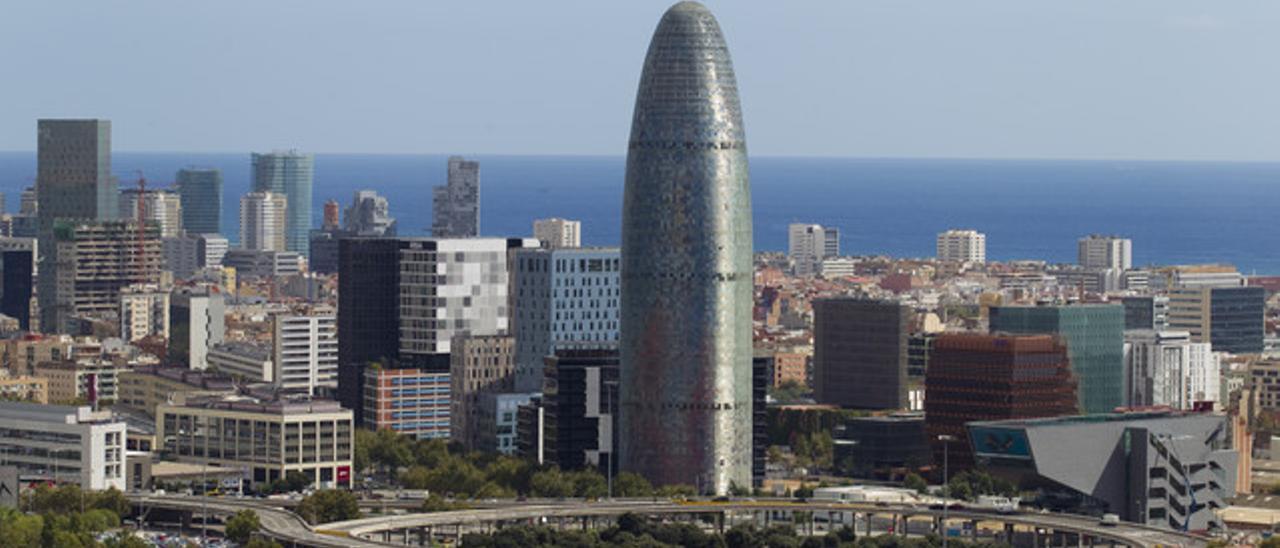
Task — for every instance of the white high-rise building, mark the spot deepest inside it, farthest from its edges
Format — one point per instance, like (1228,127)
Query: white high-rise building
(262,221)
(562,297)
(305,353)
(962,246)
(144,311)
(63,443)
(197,320)
(1166,368)
(556,233)
(1101,252)
(161,206)
(808,245)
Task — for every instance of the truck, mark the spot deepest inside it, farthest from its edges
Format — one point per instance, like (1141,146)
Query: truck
(1003,505)
(1109,520)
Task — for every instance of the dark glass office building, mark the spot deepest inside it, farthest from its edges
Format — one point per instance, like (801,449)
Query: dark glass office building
(1095,341)
(686,302)
(580,401)
(17,267)
(1236,319)
(860,353)
(368,313)
(201,192)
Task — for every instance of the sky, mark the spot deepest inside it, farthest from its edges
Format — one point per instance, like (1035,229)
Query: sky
(1138,79)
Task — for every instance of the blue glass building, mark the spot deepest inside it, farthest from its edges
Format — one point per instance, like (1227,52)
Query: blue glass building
(289,173)
(1095,345)
(201,193)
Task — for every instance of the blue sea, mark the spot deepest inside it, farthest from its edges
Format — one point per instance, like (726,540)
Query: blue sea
(1175,212)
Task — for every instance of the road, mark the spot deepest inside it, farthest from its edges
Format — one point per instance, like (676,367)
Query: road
(278,523)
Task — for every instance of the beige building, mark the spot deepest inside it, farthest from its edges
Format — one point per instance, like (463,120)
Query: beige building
(81,381)
(264,439)
(477,365)
(262,220)
(144,311)
(24,388)
(145,388)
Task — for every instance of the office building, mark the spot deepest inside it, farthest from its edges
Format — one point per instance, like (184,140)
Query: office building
(860,353)
(161,207)
(687,265)
(1150,313)
(201,193)
(1206,275)
(144,312)
(479,366)
(808,245)
(1094,335)
(84,380)
(962,246)
(196,323)
(496,422)
(580,402)
(455,206)
(1164,368)
(402,300)
(305,353)
(29,204)
(974,377)
(1162,469)
(63,444)
(369,215)
(409,401)
(17,273)
(73,181)
(1231,318)
(288,174)
(190,253)
(561,297)
(266,439)
(264,221)
(1105,252)
(253,263)
(330,219)
(556,233)
(144,388)
(250,362)
(95,261)
(883,447)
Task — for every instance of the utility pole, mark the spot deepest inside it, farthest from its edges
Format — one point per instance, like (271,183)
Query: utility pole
(946,484)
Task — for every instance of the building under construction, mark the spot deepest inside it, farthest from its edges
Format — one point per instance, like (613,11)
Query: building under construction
(95,260)
(975,377)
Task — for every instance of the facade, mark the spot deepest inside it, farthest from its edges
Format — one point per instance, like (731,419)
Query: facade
(686,344)
(86,380)
(368,313)
(1164,368)
(498,421)
(557,233)
(975,377)
(197,321)
(64,444)
(562,297)
(1150,312)
(580,402)
(413,402)
(264,221)
(808,245)
(1105,252)
(860,353)
(479,365)
(1094,335)
(17,273)
(161,207)
(265,439)
(305,354)
(369,215)
(1162,469)
(883,447)
(145,388)
(95,260)
(288,174)
(789,368)
(248,361)
(1231,318)
(24,388)
(455,206)
(250,263)
(73,182)
(1264,376)
(144,312)
(962,246)
(190,252)
(201,192)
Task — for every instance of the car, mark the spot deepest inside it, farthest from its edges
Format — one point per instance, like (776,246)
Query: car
(1109,520)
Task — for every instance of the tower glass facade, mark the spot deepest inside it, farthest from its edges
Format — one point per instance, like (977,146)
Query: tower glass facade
(1095,342)
(288,173)
(201,191)
(686,389)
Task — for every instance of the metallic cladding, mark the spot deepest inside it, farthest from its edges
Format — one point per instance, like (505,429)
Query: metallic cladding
(687,265)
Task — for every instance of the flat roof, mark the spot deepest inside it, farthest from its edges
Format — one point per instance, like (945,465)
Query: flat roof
(1094,418)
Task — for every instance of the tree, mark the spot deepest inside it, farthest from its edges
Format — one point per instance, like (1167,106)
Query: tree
(914,481)
(631,484)
(18,529)
(551,484)
(329,505)
(259,542)
(436,503)
(588,483)
(243,525)
(111,499)
(125,539)
(676,490)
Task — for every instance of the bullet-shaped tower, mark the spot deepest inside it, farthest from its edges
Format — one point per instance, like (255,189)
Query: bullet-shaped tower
(685,414)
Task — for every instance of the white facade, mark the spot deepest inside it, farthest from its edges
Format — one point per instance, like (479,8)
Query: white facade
(213,247)
(1095,251)
(305,355)
(836,267)
(962,246)
(809,244)
(556,233)
(144,311)
(1166,368)
(262,221)
(160,206)
(63,443)
(244,360)
(202,317)
(562,296)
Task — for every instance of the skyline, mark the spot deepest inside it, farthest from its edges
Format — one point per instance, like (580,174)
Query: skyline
(1139,81)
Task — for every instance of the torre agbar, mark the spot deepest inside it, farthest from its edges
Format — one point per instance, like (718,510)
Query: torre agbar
(685,385)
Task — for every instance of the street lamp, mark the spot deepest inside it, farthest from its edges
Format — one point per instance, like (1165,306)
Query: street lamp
(946,440)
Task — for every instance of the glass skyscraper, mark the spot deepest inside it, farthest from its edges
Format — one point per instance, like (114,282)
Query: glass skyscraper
(201,192)
(686,385)
(1095,344)
(289,173)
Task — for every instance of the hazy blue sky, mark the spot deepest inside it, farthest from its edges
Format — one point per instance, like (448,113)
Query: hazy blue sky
(1165,79)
